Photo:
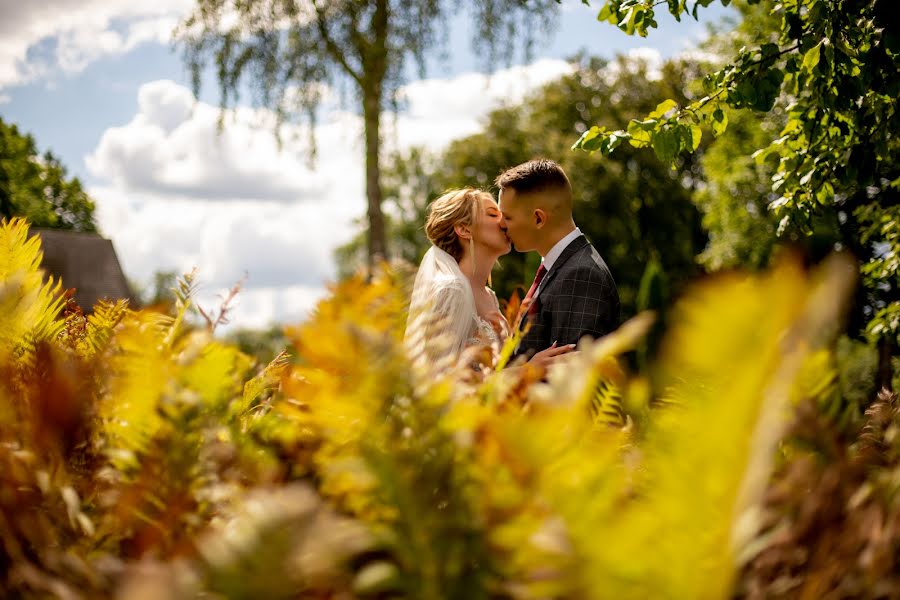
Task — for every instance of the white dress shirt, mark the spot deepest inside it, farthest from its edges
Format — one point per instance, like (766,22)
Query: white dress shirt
(554,253)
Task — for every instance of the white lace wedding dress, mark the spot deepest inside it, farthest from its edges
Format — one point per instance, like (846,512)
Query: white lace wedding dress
(442,319)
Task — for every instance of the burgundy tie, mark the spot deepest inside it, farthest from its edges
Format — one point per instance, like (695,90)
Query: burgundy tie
(534,286)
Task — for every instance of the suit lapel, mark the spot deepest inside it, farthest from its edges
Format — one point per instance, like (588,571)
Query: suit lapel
(567,253)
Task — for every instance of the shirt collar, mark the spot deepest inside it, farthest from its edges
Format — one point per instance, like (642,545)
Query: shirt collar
(558,248)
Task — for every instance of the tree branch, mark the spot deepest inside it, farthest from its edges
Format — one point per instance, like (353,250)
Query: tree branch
(332,46)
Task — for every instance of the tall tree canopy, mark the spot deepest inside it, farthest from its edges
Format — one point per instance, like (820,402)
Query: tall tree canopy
(288,50)
(634,208)
(35,186)
(833,68)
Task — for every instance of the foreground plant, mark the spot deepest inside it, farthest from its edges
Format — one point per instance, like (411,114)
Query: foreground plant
(157,463)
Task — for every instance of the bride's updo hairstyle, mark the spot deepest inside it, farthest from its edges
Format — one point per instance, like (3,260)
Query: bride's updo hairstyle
(456,207)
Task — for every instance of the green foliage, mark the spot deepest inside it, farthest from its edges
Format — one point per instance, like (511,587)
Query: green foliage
(831,66)
(734,201)
(35,186)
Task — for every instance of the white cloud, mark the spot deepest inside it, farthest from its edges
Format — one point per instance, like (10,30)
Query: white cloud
(259,308)
(274,244)
(439,110)
(284,251)
(36,38)
(173,145)
(175,193)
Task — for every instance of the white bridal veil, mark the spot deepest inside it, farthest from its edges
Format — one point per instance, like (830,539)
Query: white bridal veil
(441,312)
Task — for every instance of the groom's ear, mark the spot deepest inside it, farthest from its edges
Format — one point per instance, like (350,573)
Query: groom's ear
(540,217)
(462,232)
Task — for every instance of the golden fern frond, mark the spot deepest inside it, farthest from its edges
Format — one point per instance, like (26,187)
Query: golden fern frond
(212,371)
(44,314)
(606,405)
(18,252)
(880,432)
(185,289)
(29,307)
(267,380)
(101,323)
(139,372)
(350,369)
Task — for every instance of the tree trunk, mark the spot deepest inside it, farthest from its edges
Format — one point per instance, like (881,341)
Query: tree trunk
(885,372)
(373,51)
(377,246)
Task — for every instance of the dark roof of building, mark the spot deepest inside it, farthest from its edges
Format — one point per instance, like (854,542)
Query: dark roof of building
(86,262)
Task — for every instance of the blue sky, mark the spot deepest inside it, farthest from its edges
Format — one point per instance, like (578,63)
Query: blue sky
(98,83)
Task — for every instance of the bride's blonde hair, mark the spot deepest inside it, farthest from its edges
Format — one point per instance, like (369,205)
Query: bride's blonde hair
(455,207)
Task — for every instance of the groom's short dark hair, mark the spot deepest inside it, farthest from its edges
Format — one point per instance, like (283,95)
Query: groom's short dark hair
(534,176)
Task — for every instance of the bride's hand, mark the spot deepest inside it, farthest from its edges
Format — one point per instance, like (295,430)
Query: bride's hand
(545,358)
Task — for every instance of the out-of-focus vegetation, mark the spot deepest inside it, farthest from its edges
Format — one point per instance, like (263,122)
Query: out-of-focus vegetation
(144,458)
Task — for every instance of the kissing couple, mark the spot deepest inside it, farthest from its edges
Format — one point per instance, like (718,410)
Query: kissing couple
(453,308)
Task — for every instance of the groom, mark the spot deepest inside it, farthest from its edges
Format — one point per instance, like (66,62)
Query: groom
(573,293)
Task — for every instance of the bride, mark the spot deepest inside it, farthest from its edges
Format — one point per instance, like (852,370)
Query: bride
(452,307)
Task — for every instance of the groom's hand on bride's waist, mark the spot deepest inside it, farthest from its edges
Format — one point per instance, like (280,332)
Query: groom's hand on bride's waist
(551,355)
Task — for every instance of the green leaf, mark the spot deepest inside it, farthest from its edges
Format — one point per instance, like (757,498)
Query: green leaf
(719,121)
(811,58)
(666,144)
(676,7)
(696,135)
(614,140)
(825,194)
(767,51)
(641,132)
(590,140)
(627,23)
(607,13)
(790,65)
(662,108)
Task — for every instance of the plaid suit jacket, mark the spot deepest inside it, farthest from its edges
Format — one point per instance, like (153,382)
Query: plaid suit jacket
(577,297)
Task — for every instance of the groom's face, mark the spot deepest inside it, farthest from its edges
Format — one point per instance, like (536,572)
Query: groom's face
(518,221)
